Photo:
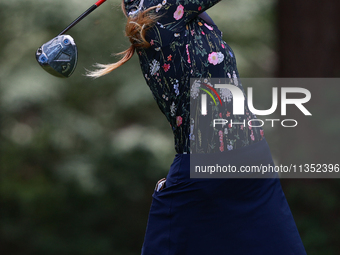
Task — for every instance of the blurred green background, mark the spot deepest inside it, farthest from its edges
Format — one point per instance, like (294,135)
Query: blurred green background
(79,158)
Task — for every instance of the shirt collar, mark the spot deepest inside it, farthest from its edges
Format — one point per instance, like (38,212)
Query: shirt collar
(132,7)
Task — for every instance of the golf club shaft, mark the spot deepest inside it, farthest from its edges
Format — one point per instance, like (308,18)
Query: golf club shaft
(87,12)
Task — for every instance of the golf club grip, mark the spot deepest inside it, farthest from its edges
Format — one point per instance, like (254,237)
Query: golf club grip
(100,2)
(87,12)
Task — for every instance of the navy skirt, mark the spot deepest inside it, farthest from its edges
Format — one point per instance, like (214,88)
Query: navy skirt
(221,216)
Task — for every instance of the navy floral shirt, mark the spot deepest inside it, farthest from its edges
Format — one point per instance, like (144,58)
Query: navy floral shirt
(184,46)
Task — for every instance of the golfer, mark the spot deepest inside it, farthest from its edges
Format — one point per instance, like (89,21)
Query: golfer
(175,41)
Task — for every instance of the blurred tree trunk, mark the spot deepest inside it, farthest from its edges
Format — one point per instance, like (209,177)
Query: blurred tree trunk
(309,38)
(309,46)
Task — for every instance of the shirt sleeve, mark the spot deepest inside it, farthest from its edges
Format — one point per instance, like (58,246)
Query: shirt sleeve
(176,13)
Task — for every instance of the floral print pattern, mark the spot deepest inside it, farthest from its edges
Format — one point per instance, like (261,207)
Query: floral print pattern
(178,14)
(215,58)
(184,46)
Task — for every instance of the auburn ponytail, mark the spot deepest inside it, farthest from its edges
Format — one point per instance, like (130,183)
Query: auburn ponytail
(135,29)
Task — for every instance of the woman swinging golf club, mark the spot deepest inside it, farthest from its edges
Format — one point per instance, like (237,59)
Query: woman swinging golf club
(176,41)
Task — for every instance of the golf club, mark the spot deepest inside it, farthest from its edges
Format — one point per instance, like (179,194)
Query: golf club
(59,56)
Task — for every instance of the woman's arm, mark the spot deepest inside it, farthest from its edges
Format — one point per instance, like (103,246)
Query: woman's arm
(177,13)
(206,18)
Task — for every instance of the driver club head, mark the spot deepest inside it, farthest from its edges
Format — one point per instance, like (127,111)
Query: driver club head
(58,56)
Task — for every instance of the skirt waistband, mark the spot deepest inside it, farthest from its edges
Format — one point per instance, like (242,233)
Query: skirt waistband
(256,154)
